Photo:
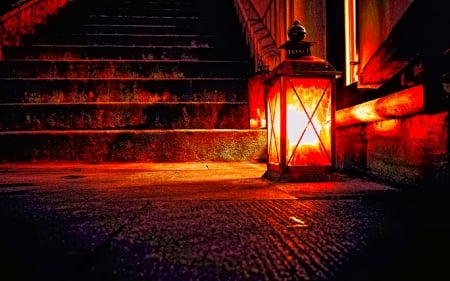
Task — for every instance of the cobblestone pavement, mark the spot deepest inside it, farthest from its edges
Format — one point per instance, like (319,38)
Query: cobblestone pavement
(211,221)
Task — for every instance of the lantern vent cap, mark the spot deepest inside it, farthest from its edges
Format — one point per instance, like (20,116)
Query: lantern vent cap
(296,47)
(299,60)
(297,31)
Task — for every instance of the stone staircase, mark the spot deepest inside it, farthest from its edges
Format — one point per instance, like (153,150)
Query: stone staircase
(130,80)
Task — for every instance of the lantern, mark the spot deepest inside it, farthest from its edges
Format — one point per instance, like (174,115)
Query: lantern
(300,97)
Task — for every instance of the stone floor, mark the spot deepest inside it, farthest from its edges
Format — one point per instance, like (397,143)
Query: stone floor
(213,221)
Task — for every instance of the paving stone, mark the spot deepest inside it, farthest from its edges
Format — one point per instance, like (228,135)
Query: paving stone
(211,221)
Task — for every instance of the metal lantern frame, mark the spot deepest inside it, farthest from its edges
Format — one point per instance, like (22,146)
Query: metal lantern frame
(308,84)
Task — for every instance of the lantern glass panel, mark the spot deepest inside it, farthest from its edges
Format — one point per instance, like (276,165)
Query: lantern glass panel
(308,121)
(273,127)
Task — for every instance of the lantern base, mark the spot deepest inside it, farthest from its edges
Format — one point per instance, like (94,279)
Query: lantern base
(303,174)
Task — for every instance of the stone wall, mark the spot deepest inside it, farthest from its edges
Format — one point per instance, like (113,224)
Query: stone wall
(410,150)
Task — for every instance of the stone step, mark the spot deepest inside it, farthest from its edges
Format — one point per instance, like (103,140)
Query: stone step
(123,115)
(144,10)
(130,80)
(52,90)
(189,20)
(126,39)
(183,24)
(32,68)
(134,145)
(135,29)
(153,3)
(169,2)
(161,7)
(138,3)
(69,52)
(76,18)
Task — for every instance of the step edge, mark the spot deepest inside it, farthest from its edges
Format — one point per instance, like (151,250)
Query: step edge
(79,60)
(128,131)
(204,46)
(122,103)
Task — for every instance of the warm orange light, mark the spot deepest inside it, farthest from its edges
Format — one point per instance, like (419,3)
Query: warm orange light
(298,119)
(351,50)
(407,102)
(259,120)
(365,112)
(307,138)
(308,120)
(300,98)
(388,128)
(256,101)
(273,127)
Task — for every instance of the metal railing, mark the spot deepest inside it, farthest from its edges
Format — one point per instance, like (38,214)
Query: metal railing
(269,17)
(259,33)
(22,20)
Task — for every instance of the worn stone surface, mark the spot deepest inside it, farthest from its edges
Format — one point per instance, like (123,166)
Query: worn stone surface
(122,68)
(134,145)
(158,115)
(211,221)
(143,69)
(81,90)
(409,151)
(351,149)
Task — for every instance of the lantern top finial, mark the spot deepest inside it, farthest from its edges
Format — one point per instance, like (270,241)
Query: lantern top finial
(297,31)
(296,47)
